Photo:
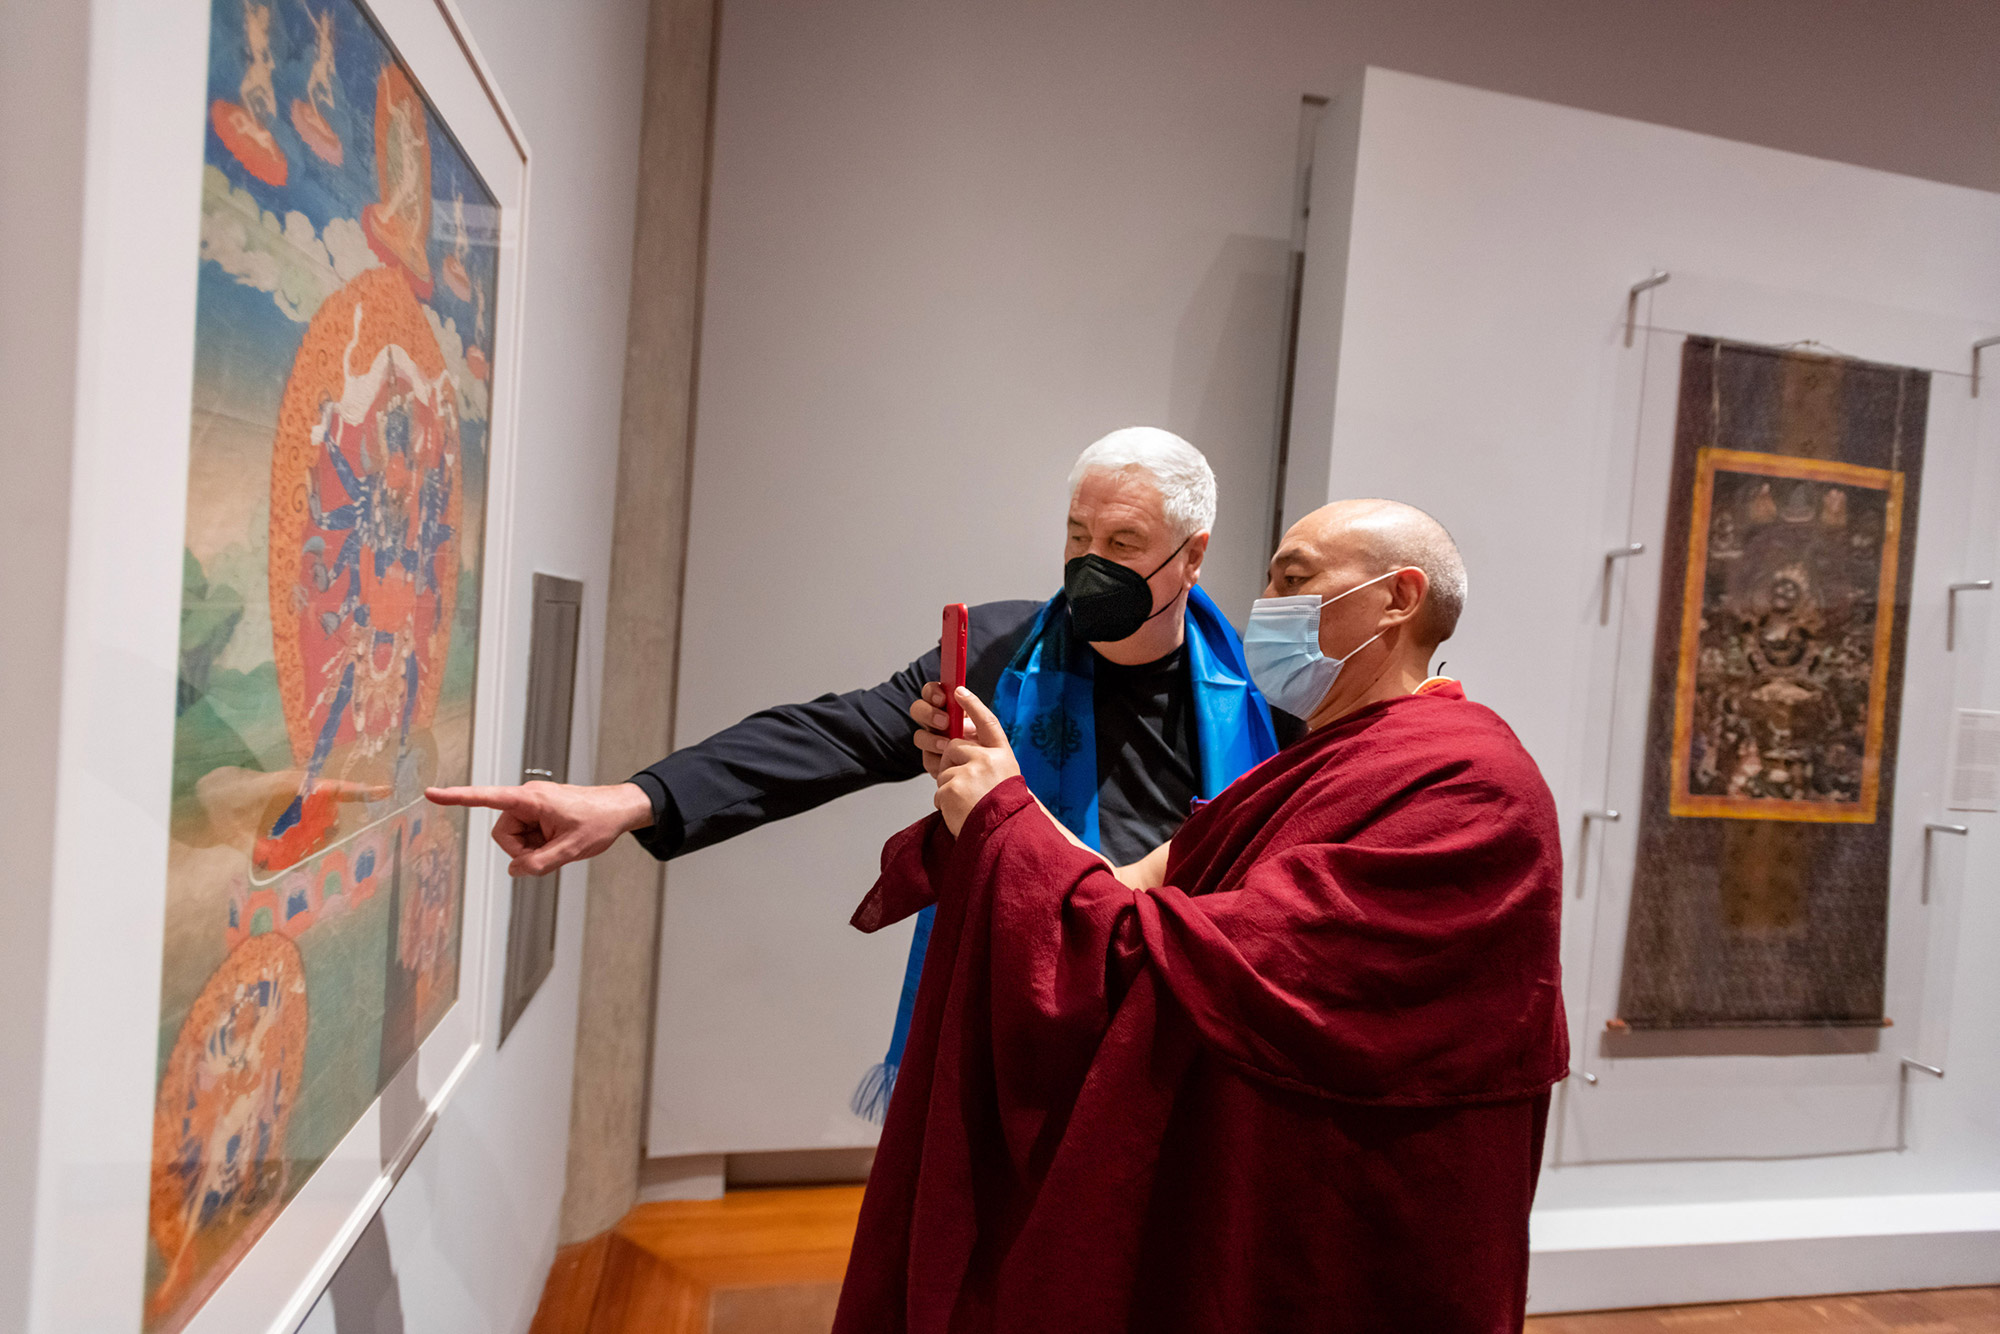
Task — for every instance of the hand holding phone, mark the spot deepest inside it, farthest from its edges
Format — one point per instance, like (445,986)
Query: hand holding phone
(951,667)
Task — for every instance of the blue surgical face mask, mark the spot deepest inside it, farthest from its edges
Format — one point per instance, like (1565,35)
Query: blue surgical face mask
(1281,648)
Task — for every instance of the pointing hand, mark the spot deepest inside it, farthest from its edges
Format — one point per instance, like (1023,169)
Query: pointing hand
(543,826)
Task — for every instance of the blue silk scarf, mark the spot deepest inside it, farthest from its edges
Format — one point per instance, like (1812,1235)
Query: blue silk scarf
(1044,700)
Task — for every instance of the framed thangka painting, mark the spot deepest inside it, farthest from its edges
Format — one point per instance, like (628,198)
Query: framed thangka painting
(1761,892)
(331,594)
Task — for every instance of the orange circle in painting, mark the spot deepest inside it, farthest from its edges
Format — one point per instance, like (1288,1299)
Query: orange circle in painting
(399,227)
(250,142)
(225,1100)
(475,361)
(366,508)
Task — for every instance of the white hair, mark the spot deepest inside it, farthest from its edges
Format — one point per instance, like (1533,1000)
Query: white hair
(1177,468)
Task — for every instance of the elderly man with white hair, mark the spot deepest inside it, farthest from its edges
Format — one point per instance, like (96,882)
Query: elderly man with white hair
(1126,694)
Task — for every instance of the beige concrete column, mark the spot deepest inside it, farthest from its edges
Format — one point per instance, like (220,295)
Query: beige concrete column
(44,97)
(648,556)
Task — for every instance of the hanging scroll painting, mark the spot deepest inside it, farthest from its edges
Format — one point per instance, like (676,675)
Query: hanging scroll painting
(1785,629)
(1761,892)
(329,619)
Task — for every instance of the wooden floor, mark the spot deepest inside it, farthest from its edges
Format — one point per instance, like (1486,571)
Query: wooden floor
(1941,1311)
(770,1261)
(752,1262)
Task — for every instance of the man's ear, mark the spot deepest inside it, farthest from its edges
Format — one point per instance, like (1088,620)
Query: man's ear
(1406,596)
(1197,550)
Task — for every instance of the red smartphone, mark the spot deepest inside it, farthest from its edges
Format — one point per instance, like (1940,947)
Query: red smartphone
(951,667)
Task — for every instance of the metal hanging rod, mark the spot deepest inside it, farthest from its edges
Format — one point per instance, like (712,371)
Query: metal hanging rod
(1615,554)
(1589,817)
(1903,1096)
(1951,593)
(1977,348)
(1660,276)
(1936,827)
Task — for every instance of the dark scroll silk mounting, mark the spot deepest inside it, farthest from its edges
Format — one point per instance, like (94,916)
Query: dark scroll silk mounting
(1762,884)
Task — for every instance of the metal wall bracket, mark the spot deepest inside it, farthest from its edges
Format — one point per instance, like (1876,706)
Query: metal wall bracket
(1936,827)
(1588,818)
(1661,275)
(1951,592)
(1903,1097)
(1611,557)
(1977,348)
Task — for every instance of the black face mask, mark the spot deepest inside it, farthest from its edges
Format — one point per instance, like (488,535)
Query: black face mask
(1109,601)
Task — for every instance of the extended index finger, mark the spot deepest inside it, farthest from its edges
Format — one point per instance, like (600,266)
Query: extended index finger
(494,798)
(986,728)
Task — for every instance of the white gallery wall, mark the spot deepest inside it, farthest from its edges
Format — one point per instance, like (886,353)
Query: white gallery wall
(951,244)
(1462,348)
(91,543)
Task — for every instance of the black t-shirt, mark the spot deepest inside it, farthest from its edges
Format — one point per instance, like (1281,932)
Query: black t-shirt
(1148,753)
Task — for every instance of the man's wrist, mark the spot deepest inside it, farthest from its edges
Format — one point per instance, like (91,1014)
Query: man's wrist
(636,807)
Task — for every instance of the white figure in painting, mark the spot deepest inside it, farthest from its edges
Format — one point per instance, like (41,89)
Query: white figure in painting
(319,83)
(258,96)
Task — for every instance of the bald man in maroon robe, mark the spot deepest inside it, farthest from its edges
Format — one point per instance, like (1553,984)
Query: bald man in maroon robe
(1290,1072)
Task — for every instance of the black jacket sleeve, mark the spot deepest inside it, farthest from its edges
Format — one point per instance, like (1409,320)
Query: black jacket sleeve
(792,758)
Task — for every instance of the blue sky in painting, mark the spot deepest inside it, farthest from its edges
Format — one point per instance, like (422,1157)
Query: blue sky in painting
(256,329)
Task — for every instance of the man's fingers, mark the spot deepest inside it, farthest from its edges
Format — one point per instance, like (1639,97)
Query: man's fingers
(555,856)
(955,754)
(923,715)
(929,713)
(985,727)
(517,836)
(520,836)
(539,862)
(492,798)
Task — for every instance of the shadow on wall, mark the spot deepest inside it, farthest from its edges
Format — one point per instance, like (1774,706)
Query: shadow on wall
(1228,363)
(364,1296)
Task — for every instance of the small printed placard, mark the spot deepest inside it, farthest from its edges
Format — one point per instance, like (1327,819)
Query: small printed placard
(1975,761)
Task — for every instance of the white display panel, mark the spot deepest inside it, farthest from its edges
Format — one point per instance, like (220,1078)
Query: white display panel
(1764,1093)
(144,185)
(1479,290)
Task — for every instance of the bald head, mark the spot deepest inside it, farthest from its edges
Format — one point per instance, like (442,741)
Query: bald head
(1371,537)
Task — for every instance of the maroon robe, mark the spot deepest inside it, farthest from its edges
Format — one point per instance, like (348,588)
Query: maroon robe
(1302,1087)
